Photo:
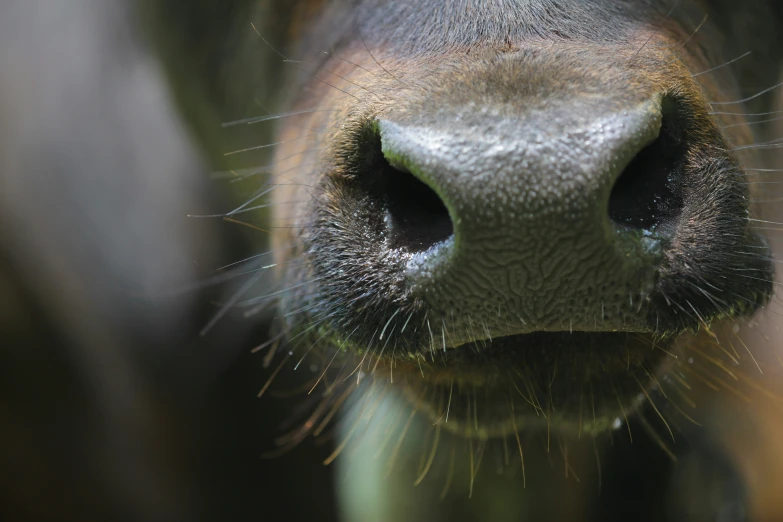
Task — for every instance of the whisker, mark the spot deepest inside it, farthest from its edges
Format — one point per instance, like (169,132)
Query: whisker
(772,144)
(335,408)
(757,95)
(260,193)
(269,187)
(764,221)
(270,341)
(296,367)
(271,117)
(243,211)
(350,62)
(281,55)
(272,173)
(770,113)
(749,352)
(752,123)
(245,224)
(519,444)
(336,352)
(273,294)
(428,465)
(268,145)
(230,303)
(698,28)
(723,65)
(450,473)
(760,279)
(654,435)
(597,464)
(622,410)
(347,438)
(219,278)
(472,473)
(350,81)
(657,29)
(359,33)
(256,256)
(274,374)
(243,174)
(335,87)
(393,458)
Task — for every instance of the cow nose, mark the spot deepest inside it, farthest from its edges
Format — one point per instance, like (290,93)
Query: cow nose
(554,218)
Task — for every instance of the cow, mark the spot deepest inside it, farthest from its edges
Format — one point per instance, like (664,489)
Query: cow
(505,259)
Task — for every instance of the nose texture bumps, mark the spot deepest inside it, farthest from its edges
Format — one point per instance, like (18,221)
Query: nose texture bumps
(528,193)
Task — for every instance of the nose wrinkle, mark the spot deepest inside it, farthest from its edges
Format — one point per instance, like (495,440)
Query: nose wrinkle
(528,197)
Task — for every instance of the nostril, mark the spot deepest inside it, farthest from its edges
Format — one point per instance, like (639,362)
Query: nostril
(415,216)
(649,193)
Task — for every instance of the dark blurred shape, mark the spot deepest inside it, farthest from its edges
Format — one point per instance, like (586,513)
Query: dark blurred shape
(111,405)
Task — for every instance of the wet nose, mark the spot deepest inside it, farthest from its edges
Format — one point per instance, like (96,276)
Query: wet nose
(555,218)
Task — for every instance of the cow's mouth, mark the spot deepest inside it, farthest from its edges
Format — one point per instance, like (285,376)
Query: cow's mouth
(567,382)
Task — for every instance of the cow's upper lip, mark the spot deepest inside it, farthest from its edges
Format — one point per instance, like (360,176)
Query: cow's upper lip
(480,340)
